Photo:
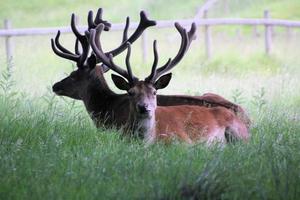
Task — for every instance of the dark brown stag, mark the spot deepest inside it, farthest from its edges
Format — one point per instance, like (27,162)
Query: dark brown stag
(87,83)
(188,122)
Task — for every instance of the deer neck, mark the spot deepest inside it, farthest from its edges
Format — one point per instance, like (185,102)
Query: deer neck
(98,94)
(99,83)
(103,105)
(141,126)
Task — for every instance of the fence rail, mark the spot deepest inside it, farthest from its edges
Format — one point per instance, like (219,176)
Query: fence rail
(160,24)
(8,32)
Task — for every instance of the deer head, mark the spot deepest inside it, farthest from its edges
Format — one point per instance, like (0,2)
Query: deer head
(75,84)
(143,93)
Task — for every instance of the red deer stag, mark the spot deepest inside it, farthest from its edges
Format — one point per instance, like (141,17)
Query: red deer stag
(87,83)
(74,85)
(151,122)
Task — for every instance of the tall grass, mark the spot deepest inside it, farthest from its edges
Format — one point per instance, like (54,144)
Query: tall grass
(51,150)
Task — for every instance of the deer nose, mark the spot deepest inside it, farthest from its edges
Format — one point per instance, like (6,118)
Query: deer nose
(56,88)
(142,108)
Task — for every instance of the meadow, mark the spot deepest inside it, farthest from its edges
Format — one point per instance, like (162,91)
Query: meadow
(50,149)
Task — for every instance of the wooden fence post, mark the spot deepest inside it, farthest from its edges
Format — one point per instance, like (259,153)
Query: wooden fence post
(8,45)
(268,34)
(207,37)
(144,46)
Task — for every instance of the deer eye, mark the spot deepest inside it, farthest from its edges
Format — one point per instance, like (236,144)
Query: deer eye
(73,76)
(131,93)
(154,92)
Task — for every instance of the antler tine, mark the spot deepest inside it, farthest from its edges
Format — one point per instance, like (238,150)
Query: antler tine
(143,25)
(98,20)
(94,41)
(125,32)
(132,78)
(184,43)
(153,70)
(83,41)
(59,46)
(99,15)
(60,50)
(118,69)
(80,54)
(97,36)
(170,63)
(77,47)
(186,39)
(155,58)
(91,23)
(74,28)
(192,32)
(108,61)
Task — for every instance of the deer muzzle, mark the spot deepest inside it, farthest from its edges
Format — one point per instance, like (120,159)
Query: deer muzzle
(57,89)
(142,108)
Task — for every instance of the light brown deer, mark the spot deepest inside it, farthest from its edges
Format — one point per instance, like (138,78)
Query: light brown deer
(152,122)
(88,84)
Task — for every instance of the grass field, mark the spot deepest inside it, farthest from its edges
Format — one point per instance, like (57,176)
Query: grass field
(50,149)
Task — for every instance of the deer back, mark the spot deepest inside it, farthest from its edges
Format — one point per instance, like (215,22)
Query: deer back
(194,123)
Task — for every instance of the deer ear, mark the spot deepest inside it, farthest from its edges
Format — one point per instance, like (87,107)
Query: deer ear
(120,82)
(163,81)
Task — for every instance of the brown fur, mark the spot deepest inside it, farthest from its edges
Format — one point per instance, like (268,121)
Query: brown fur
(189,123)
(194,123)
(108,109)
(207,100)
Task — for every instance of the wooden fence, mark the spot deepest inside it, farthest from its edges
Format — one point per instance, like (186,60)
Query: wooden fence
(8,32)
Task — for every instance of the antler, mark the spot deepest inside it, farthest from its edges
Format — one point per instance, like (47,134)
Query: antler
(98,20)
(79,57)
(143,25)
(186,39)
(108,60)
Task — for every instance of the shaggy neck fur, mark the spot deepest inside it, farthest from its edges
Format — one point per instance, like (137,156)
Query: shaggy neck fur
(96,88)
(141,126)
(98,98)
